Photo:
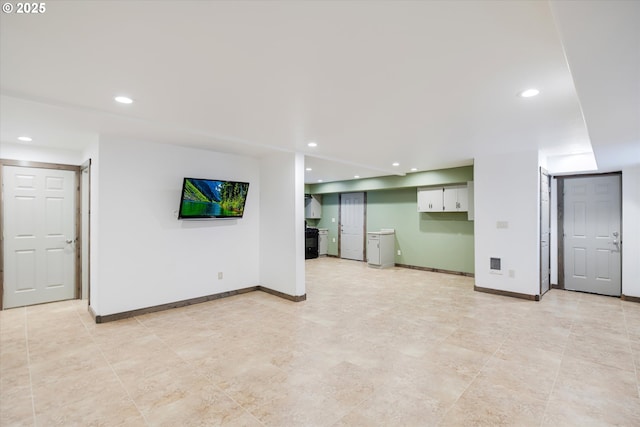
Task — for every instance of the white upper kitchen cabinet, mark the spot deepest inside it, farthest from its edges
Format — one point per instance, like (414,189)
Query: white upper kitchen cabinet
(451,198)
(313,206)
(456,198)
(430,199)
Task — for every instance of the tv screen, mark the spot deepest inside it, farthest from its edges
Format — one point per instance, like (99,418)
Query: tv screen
(209,198)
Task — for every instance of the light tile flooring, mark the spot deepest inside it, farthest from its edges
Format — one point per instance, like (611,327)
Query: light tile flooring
(368,348)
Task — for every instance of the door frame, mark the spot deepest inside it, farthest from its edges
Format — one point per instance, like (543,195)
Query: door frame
(84,243)
(560,225)
(544,172)
(364,223)
(41,165)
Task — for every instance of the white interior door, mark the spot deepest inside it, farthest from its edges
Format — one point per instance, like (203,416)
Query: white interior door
(592,237)
(545,232)
(352,226)
(39,235)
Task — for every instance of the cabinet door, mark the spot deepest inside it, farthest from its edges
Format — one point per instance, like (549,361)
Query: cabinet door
(463,198)
(450,199)
(308,209)
(430,200)
(456,199)
(323,243)
(312,207)
(423,201)
(373,250)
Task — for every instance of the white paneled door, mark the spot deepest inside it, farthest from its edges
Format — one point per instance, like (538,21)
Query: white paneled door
(352,226)
(39,235)
(592,239)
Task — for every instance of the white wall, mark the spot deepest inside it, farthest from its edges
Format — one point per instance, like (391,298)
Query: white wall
(145,256)
(32,153)
(282,223)
(507,194)
(631,231)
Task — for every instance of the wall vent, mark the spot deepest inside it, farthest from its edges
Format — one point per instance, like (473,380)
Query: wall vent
(494,264)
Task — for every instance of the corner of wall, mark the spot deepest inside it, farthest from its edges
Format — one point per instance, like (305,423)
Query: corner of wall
(506,222)
(282,223)
(631,231)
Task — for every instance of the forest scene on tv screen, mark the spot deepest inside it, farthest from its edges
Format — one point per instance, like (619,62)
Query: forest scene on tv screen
(204,198)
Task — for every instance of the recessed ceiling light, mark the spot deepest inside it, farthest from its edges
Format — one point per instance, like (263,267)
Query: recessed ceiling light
(356,176)
(123,99)
(312,144)
(25,139)
(396,164)
(319,180)
(529,93)
(308,169)
(414,169)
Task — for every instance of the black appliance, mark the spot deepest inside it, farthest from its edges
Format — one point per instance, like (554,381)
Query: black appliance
(310,242)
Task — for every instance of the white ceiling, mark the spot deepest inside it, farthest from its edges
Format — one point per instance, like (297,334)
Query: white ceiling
(428,84)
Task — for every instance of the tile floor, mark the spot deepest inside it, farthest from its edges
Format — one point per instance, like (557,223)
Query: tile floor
(368,348)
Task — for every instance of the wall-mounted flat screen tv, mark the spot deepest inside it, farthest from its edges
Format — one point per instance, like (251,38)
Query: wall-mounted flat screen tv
(209,198)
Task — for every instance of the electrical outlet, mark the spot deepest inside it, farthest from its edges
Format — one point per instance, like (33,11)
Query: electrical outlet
(220,275)
(333,240)
(399,252)
(333,220)
(512,273)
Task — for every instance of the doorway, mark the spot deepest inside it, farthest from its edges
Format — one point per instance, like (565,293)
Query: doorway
(352,226)
(592,236)
(40,225)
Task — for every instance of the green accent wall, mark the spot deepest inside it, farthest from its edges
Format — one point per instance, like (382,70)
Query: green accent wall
(330,210)
(433,240)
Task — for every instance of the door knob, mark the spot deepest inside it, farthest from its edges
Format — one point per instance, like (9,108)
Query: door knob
(69,241)
(616,242)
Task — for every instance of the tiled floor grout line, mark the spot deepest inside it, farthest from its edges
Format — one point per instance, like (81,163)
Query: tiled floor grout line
(359,404)
(26,338)
(555,380)
(336,422)
(116,375)
(351,410)
(635,365)
(484,365)
(355,407)
(190,364)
